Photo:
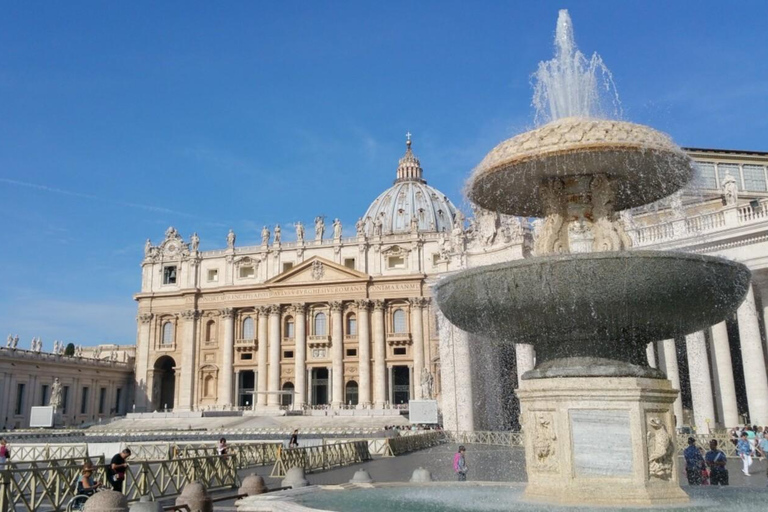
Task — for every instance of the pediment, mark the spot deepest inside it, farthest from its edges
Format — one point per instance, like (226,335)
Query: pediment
(318,270)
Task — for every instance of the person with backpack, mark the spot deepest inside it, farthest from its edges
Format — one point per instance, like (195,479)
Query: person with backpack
(5,453)
(460,464)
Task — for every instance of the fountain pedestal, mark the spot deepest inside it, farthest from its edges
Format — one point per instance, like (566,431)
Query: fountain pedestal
(600,440)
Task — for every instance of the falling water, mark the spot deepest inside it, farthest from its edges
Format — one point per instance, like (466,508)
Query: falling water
(570,85)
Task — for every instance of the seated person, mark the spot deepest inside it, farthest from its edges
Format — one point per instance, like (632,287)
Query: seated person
(85,484)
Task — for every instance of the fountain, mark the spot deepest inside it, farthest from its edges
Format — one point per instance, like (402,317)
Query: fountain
(598,421)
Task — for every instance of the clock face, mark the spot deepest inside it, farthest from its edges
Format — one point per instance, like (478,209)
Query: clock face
(171,248)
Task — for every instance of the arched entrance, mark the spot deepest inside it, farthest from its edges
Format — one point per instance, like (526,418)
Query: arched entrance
(319,386)
(287,399)
(351,393)
(164,387)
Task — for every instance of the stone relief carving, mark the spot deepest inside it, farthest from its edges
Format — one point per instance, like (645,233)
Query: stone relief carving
(544,441)
(318,270)
(552,235)
(730,190)
(661,449)
(609,234)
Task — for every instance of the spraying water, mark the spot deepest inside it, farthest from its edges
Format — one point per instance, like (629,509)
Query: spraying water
(570,85)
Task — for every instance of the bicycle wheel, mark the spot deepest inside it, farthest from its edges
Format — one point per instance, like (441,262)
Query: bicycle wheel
(77,503)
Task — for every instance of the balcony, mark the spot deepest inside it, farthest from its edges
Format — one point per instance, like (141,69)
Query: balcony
(250,345)
(399,339)
(319,341)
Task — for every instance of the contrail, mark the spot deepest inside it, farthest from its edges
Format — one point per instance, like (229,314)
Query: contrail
(150,208)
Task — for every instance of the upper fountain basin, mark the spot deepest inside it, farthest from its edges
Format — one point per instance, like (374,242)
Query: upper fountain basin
(593,304)
(645,164)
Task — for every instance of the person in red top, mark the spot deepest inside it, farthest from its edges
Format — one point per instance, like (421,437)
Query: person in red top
(460,464)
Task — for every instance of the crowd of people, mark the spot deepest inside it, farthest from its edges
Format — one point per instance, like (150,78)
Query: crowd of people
(705,468)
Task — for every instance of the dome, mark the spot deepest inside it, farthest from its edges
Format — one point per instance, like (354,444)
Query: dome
(410,197)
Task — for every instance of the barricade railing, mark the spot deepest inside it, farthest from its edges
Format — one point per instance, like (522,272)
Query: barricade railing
(702,440)
(48,451)
(313,458)
(42,485)
(411,443)
(246,454)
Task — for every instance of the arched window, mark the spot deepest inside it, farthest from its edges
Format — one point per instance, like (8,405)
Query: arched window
(289,331)
(248,328)
(350,393)
(210,331)
(167,333)
(320,325)
(351,325)
(209,386)
(398,321)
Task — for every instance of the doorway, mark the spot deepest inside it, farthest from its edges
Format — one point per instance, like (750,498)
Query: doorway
(319,386)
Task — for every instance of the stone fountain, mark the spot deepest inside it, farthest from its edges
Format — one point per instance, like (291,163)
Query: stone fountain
(598,421)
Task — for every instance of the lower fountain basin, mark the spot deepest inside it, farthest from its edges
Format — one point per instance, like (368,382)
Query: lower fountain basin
(595,312)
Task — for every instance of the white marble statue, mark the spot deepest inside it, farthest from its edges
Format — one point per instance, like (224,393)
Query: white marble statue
(730,190)
(427,382)
(414,225)
(113,355)
(79,351)
(336,229)
(37,345)
(148,248)
(360,227)
(97,353)
(15,342)
(8,341)
(278,234)
(195,240)
(378,227)
(171,233)
(231,237)
(661,450)
(265,234)
(299,232)
(319,228)
(55,400)
(55,347)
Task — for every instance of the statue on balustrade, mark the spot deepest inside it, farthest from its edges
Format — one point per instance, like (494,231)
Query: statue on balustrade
(336,229)
(278,233)
(730,190)
(231,237)
(55,400)
(300,232)
(319,228)
(427,381)
(265,235)
(195,242)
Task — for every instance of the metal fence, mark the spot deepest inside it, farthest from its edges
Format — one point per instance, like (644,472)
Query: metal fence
(313,458)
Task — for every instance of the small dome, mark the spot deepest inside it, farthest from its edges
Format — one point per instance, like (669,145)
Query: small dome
(410,197)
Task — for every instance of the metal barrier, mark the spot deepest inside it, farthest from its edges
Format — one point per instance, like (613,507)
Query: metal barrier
(508,439)
(247,455)
(50,484)
(411,443)
(313,458)
(723,442)
(48,451)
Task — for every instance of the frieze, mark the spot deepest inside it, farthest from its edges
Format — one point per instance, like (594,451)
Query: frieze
(234,296)
(390,287)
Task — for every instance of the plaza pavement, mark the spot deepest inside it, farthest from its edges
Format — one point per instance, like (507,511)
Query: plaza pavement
(486,463)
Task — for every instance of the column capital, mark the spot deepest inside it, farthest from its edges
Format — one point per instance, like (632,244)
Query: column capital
(227,312)
(336,306)
(378,305)
(300,308)
(363,304)
(275,309)
(263,310)
(190,314)
(418,302)
(145,318)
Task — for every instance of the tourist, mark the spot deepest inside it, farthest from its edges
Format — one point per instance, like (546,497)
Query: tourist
(86,484)
(744,450)
(5,453)
(763,447)
(716,461)
(694,462)
(116,469)
(222,447)
(294,442)
(460,464)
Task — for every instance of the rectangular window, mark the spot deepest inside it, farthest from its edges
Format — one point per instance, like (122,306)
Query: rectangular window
(754,177)
(705,176)
(19,399)
(84,401)
(435,259)
(64,399)
(246,272)
(44,395)
(399,351)
(213,275)
(288,354)
(351,352)
(349,263)
(288,265)
(396,262)
(290,331)
(118,396)
(169,274)
(246,357)
(102,399)
(733,170)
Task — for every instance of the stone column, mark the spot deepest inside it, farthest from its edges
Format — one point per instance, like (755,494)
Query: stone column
(337,353)
(142,362)
(673,374)
(726,390)
(188,364)
(364,352)
(261,399)
(753,361)
(525,358)
(274,355)
(228,357)
(379,356)
(391,385)
(701,383)
(417,333)
(650,354)
(300,369)
(236,396)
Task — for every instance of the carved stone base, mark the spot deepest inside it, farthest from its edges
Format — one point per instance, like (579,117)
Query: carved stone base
(606,441)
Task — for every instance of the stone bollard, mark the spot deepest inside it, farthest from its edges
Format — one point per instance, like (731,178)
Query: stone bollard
(146,504)
(106,501)
(421,476)
(361,477)
(294,478)
(195,496)
(252,484)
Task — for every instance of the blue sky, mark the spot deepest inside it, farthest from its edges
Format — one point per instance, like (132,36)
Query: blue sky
(120,119)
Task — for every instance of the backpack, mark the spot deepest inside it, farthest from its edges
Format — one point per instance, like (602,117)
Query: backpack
(456,459)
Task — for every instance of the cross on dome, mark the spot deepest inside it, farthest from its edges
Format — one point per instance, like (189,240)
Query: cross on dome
(408,139)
